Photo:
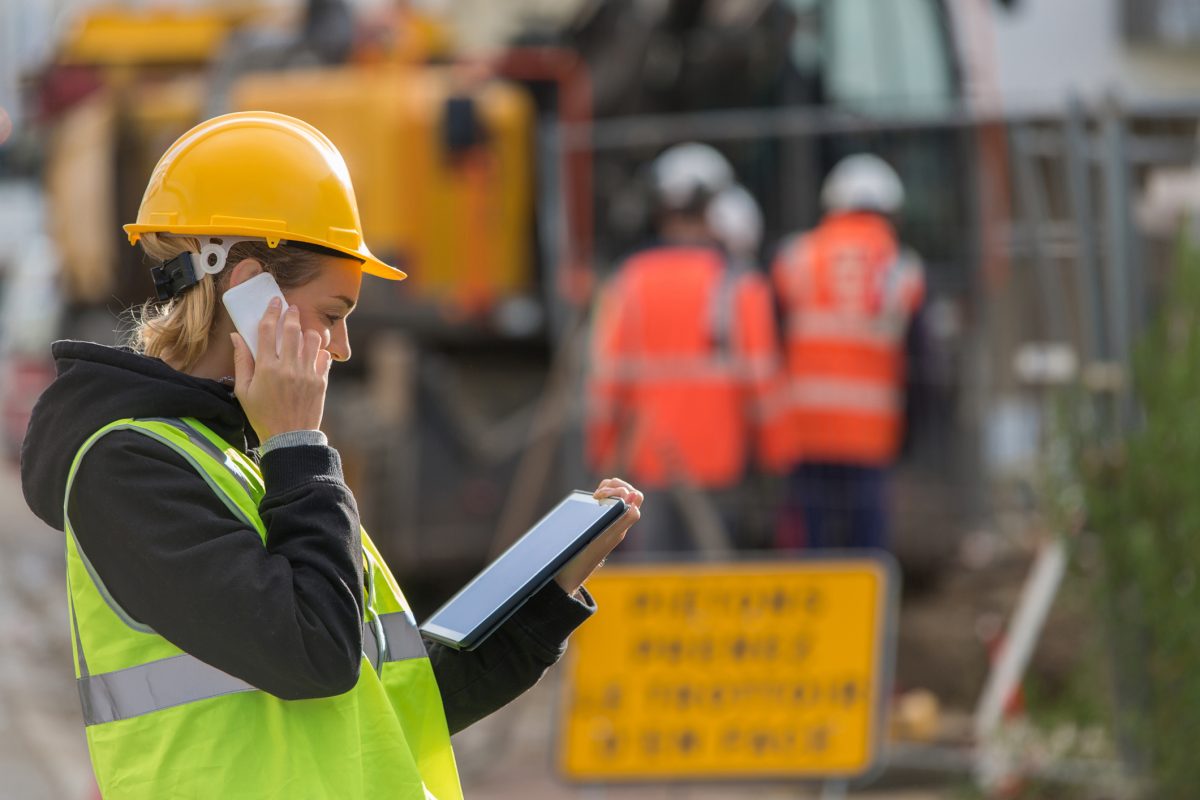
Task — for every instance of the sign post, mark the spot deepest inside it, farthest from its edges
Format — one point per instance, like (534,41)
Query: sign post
(772,670)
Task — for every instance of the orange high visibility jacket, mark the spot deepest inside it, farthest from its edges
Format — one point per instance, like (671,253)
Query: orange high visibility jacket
(684,362)
(848,291)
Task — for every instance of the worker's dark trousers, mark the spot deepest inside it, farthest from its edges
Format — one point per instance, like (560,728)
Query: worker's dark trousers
(837,505)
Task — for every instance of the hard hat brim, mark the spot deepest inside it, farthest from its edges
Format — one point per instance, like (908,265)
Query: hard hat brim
(370,264)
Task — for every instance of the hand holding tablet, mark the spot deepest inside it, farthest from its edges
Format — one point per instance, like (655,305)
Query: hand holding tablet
(470,616)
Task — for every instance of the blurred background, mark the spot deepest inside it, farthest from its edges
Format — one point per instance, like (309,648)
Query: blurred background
(506,154)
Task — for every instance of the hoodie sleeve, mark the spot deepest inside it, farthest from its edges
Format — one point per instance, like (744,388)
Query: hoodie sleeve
(286,617)
(474,683)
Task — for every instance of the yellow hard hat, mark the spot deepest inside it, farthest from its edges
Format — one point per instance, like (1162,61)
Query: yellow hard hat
(257,174)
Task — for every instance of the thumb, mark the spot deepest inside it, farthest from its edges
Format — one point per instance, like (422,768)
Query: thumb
(243,365)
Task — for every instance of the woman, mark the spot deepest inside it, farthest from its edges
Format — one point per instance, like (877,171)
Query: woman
(236,634)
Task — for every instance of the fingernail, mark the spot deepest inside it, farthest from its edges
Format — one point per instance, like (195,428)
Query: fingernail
(274,302)
(293,310)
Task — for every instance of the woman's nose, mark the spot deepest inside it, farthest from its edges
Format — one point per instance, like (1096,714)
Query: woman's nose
(338,344)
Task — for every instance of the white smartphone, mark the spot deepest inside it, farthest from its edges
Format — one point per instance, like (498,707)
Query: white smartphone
(246,304)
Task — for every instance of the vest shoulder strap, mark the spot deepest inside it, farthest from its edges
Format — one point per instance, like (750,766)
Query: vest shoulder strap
(174,434)
(238,488)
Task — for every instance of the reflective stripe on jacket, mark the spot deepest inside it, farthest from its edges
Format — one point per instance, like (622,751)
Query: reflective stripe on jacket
(848,293)
(161,723)
(684,363)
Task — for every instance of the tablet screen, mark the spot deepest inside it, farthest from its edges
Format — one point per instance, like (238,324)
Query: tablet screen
(542,549)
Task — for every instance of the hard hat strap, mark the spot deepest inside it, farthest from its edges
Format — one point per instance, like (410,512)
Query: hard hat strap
(186,269)
(214,252)
(173,276)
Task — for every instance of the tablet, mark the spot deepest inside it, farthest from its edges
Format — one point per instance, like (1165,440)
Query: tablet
(519,572)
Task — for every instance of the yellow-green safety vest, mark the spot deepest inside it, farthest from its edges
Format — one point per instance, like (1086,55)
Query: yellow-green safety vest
(163,724)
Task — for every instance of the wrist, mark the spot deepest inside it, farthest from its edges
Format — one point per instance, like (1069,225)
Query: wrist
(295,438)
(572,580)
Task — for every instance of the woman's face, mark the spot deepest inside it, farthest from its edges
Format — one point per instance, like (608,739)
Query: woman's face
(327,300)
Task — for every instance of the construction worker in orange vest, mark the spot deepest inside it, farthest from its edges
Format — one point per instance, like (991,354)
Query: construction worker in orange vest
(684,350)
(849,291)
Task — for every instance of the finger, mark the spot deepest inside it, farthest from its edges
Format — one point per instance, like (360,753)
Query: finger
(605,542)
(625,495)
(608,483)
(312,346)
(324,362)
(628,521)
(604,486)
(267,328)
(293,335)
(243,365)
(630,496)
(616,534)
(634,497)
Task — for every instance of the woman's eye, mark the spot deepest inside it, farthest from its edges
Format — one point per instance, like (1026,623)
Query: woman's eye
(333,319)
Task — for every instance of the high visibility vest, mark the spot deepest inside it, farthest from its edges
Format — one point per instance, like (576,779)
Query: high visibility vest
(683,355)
(849,293)
(163,724)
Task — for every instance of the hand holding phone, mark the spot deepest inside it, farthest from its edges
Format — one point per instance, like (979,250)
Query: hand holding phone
(247,303)
(283,393)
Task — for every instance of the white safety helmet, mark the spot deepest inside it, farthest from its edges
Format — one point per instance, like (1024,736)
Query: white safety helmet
(736,221)
(687,176)
(863,182)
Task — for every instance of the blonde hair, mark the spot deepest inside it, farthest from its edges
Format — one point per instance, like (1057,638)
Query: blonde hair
(180,330)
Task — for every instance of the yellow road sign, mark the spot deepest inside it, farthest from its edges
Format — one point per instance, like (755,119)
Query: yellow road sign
(729,671)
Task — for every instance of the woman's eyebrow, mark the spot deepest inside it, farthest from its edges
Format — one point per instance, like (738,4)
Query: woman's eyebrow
(349,303)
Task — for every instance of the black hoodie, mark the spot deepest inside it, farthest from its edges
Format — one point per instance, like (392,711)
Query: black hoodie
(285,618)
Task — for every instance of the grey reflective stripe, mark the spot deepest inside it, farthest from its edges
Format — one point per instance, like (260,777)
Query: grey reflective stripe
(204,443)
(87,564)
(372,628)
(83,670)
(402,639)
(151,687)
(105,595)
(183,679)
(371,644)
(228,501)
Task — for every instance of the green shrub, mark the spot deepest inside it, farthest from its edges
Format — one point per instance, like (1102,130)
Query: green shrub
(1143,500)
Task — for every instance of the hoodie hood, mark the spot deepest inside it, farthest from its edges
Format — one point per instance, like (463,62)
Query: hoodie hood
(96,385)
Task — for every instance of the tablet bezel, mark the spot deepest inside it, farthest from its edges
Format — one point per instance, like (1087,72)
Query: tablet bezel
(467,640)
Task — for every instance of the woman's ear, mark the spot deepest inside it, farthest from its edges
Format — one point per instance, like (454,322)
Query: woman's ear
(244,270)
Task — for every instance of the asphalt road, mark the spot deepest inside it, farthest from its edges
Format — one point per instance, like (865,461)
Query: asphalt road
(43,753)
